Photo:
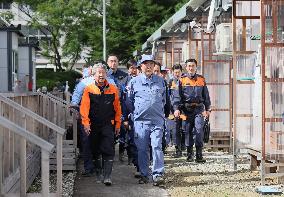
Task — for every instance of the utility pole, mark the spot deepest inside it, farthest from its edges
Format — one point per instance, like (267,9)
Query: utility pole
(104,29)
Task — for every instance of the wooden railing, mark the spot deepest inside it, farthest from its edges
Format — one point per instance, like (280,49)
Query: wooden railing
(46,149)
(32,121)
(70,114)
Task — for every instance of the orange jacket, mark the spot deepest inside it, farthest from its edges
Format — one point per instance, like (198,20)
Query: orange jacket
(100,106)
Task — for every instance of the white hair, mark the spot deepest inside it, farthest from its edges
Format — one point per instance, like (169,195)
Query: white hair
(98,65)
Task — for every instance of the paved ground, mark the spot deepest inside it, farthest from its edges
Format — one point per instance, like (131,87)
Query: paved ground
(124,184)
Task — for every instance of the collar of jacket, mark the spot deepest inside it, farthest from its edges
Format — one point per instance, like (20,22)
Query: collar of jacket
(153,78)
(192,77)
(106,84)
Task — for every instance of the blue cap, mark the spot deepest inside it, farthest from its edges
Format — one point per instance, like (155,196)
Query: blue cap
(147,58)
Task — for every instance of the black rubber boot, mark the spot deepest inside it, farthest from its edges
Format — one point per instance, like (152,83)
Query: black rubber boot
(178,152)
(189,154)
(121,151)
(98,170)
(107,172)
(183,147)
(199,157)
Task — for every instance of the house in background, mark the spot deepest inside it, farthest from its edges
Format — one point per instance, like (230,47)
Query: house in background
(27,65)
(9,64)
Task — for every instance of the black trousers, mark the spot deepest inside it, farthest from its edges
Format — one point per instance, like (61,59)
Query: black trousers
(102,139)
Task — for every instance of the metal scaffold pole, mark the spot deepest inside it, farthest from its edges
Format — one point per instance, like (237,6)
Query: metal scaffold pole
(104,30)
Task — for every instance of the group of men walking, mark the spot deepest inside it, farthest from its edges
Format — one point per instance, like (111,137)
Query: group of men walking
(138,109)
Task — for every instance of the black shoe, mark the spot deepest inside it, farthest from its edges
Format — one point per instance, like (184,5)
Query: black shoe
(98,170)
(143,180)
(120,157)
(88,174)
(158,181)
(178,154)
(130,159)
(189,154)
(107,172)
(137,175)
(199,157)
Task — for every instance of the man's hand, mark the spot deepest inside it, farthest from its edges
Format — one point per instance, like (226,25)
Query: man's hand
(87,130)
(116,131)
(126,124)
(206,114)
(177,113)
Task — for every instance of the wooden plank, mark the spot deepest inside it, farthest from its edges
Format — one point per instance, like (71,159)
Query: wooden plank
(64,167)
(75,129)
(64,155)
(245,82)
(33,115)
(12,184)
(65,161)
(273,175)
(28,135)
(59,164)
(68,150)
(23,167)
(29,195)
(244,29)
(45,173)
(244,115)
(219,138)
(218,146)
(274,164)
(273,119)
(253,162)
(1,152)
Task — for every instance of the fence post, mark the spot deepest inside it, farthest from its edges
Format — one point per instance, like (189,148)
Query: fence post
(59,164)
(45,172)
(1,153)
(23,161)
(74,129)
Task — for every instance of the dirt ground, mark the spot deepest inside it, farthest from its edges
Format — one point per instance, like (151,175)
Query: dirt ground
(215,178)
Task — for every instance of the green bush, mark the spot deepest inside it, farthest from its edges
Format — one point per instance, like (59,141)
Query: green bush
(50,79)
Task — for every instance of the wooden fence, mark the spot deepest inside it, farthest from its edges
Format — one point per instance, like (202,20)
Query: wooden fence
(39,115)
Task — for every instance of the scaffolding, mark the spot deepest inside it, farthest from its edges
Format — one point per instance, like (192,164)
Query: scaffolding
(245,82)
(258,59)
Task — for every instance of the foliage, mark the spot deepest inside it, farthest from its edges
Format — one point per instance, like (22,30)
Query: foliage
(131,22)
(74,24)
(8,16)
(51,79)
(63,20)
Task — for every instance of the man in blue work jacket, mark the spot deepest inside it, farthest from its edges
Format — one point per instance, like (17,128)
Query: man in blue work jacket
(193,98)
(175,124)
(118,76)
(146,99)
(127,117)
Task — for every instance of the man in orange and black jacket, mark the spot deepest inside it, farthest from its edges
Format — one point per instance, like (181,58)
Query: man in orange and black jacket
(101,117)
(193,98)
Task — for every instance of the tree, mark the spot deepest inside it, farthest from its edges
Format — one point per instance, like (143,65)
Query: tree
(63,20)
(74,24)
(131,22)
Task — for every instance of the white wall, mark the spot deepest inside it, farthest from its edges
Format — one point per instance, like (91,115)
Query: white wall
(3,62)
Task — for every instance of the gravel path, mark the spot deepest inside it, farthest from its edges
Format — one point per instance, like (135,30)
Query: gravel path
(214,178)
(67,187)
